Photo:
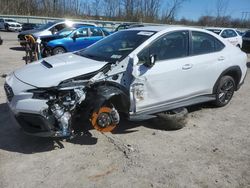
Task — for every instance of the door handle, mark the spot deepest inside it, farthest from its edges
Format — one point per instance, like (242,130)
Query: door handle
(187,66)
(221,58)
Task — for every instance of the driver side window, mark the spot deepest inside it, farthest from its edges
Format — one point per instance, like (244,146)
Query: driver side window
(169,46)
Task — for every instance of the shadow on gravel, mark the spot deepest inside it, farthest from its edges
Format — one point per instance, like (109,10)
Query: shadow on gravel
(161,122)
(17,48)
(13,139)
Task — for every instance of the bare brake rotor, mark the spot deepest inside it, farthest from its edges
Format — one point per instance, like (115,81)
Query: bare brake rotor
(105,120)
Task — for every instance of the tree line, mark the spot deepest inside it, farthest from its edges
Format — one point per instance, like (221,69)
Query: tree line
(153,11)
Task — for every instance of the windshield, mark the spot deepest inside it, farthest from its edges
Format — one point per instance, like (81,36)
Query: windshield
(217,31)
(10,20)
(66,31)
(117,46)
(46,26)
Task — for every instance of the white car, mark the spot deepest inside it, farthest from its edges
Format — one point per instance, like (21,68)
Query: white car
(51,28)
(10,24)
(231,35)
(138,72)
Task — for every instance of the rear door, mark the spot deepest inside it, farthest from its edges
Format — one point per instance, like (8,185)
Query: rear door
(207,58)
(95,34)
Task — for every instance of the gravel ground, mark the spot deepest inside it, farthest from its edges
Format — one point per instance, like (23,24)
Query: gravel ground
(211,150)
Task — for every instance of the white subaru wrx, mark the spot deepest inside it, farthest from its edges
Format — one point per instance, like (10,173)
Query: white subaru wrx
(137,72)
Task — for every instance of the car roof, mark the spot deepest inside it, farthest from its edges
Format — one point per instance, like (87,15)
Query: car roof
(89,26)
(221,28)
(166,28)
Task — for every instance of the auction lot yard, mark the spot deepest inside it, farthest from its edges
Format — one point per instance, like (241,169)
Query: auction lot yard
(211,150)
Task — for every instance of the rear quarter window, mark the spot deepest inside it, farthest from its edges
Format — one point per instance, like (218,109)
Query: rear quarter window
(203,43)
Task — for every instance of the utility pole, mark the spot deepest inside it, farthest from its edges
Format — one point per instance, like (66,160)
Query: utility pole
(245,16)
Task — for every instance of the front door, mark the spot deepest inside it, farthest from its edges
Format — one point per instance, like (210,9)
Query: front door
(165,81)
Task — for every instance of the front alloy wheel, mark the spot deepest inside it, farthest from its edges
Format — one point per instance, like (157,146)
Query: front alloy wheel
(224,91)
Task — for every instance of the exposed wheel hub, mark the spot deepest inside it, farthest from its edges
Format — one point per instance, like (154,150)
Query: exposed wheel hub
(105,120)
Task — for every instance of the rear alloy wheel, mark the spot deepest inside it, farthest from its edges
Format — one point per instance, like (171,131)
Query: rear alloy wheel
(58,50)
(105,119)
(224,91)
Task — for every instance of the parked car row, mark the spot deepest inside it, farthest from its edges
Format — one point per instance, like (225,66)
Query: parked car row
(77,39)
(64,36)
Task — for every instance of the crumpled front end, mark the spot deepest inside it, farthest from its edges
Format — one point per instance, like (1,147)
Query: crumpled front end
(44,111)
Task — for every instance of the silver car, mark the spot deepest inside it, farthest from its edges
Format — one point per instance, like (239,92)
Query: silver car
(137,72)
(51,28)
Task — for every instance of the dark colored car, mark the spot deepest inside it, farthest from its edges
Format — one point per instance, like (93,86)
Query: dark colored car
(122,27)
(29,26)
(131,25)
(246,41)
(1,41)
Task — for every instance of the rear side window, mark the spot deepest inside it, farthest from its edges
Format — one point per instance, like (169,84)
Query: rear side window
(228,33)
(203,43)
(94,32)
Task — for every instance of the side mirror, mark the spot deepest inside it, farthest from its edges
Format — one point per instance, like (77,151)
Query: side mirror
(150,61)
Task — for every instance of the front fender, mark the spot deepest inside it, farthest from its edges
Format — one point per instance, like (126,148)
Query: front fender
(115,94)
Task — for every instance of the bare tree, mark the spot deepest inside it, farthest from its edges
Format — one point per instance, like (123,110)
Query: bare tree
(170,12)
(221,7)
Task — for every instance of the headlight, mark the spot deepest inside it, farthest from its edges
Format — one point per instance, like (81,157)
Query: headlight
(42,94)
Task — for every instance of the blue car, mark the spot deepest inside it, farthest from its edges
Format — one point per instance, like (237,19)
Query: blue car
(76,40)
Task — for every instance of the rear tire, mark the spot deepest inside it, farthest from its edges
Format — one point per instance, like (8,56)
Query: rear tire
(58,50)
(224,91)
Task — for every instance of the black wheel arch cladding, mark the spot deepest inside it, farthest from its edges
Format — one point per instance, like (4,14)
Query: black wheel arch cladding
(234,72)
(112,92)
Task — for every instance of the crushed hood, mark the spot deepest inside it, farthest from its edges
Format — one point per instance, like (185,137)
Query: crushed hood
(29,32)
(51,71)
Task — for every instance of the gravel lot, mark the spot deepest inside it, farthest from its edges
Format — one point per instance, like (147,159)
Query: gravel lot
(211,150)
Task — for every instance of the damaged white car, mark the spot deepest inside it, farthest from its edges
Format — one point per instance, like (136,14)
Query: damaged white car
(137,72)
